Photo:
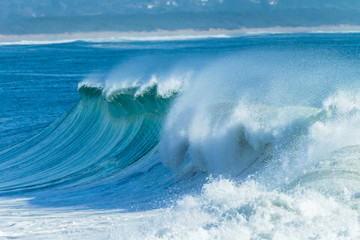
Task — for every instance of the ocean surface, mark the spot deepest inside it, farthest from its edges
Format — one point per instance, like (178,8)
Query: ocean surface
(249,137)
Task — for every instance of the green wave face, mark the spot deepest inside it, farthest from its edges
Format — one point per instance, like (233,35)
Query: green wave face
(100,137)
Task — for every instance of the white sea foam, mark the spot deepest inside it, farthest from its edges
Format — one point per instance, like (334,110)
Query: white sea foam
(37,42)
(228,138)
(223,210)
(341,131)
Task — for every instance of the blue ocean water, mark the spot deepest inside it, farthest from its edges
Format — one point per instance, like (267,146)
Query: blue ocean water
(250,137)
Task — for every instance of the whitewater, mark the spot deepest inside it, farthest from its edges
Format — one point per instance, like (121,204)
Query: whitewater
(250,137)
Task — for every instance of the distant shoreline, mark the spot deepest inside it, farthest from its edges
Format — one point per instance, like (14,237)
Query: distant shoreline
(108,36)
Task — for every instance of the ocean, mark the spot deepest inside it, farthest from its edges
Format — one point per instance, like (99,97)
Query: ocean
(234,137)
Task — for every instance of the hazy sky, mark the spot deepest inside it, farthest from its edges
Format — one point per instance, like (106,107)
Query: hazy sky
(56,16)
(36,8)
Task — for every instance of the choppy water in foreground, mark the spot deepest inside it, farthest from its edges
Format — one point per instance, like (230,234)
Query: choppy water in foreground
(255,137)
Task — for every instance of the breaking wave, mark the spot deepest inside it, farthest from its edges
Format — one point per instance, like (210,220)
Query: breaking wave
(225,150)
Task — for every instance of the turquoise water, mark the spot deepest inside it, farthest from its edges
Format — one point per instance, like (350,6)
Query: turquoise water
(252,137)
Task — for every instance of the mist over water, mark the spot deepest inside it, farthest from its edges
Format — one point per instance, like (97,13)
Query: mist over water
(239,138)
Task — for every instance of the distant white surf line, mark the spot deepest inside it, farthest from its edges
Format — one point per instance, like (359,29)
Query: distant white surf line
(114,39)
(164,35)
(33,39)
